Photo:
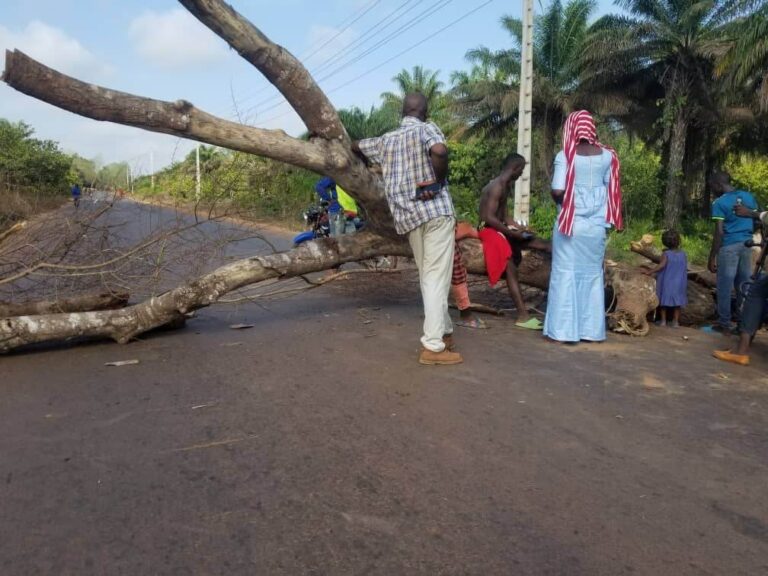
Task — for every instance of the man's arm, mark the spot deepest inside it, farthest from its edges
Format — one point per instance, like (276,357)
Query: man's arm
(438,155)
(717,242)
(489,207)
(746,212)
(367,150)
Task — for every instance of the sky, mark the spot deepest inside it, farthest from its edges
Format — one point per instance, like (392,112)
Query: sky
(155,48)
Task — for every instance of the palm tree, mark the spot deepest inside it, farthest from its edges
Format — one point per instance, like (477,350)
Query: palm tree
(488,96)
(420,80)
(360,124)
(671,44)
(745,63)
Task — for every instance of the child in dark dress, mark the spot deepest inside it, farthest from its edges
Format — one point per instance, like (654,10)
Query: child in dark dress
(671,278)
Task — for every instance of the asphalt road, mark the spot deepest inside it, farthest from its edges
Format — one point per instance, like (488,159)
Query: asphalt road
(314,444)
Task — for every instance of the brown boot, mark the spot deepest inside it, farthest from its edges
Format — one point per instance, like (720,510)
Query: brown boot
(449,343)
(444,358)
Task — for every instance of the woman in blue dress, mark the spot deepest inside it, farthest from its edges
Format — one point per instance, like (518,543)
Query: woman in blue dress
(586,188)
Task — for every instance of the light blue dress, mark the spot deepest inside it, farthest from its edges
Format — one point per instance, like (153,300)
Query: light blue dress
(576,298)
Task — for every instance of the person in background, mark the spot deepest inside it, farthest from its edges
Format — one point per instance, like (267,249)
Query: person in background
(327,190)
(754,307)
(586,187)
(75,191)
(729,258)
(414,163)
(671,279)
(459,285)
(502,242)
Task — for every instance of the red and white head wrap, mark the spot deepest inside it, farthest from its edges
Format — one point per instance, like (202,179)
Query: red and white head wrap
(581,127)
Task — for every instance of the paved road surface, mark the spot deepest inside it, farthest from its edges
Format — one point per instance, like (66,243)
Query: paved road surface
(314,444)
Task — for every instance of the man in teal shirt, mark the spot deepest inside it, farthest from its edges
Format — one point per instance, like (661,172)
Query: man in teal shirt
(729,257)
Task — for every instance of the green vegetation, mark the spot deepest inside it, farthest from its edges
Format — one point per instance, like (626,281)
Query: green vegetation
(31,163)
(262,188)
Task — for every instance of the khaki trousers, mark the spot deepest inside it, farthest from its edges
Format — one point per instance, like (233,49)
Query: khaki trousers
(432,244)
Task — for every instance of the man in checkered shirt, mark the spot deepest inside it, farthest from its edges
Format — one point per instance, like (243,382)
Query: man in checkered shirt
(414,164)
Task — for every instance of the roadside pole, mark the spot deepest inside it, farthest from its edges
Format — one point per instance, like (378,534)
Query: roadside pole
(524,124)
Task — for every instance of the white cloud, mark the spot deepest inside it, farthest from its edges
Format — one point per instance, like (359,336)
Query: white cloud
(54,48)
(175,39)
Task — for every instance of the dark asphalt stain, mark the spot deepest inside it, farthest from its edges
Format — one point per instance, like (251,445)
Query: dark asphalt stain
(742,523)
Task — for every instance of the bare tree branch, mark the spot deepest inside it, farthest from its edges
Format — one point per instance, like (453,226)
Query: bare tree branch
(179,118)
(127,323)
(278,65)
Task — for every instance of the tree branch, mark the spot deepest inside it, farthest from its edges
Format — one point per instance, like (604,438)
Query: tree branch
(278,65)
(179,118)
(125,324)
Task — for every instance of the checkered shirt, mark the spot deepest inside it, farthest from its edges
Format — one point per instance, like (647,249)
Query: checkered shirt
(404,158)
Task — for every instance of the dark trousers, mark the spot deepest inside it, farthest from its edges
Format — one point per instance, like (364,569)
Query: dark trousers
(754,305)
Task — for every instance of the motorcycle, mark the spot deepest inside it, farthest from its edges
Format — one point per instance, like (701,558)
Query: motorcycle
(318,221)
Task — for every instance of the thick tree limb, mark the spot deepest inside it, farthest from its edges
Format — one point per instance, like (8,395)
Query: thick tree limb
(127,323)
(179,118)
(73,304)
(278,65)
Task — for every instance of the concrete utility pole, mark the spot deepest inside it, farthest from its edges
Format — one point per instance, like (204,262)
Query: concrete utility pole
(197,172)
(524,126)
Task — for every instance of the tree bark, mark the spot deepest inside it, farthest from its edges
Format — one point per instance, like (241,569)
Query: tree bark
(673,197)
(64,305)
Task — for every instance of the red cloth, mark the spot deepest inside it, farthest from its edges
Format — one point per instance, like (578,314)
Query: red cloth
(580,126)
(496,251)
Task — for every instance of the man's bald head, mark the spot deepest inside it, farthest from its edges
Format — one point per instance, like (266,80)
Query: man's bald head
(415,104)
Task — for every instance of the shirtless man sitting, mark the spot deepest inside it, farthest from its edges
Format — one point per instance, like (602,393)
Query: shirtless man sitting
(503,242)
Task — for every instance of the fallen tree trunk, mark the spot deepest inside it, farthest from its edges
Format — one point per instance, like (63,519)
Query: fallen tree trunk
(65,305)
(127,323)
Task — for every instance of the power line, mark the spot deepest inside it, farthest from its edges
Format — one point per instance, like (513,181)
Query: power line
(416,45)
(377,67)
(439,4)
(370,33)
(400,31)
(377,28)
(314,48)
(340,32)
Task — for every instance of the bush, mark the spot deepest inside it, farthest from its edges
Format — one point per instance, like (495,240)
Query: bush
(641,182)
(28,162)
(750,173)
